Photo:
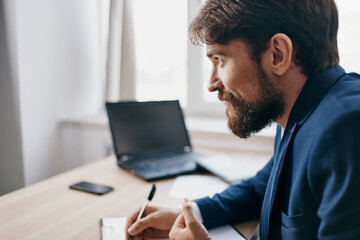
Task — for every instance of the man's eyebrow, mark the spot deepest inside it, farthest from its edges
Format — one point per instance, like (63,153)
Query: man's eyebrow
(211,53)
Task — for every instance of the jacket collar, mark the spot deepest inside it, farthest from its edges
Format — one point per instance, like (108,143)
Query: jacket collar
(311,95)
(314,90)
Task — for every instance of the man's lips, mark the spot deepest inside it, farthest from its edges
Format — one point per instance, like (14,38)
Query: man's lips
(226,103)
(226,99)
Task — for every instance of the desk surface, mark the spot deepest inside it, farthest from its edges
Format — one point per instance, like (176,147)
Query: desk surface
(50,210)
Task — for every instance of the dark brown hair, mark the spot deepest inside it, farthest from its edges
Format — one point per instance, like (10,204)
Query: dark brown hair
(310,24)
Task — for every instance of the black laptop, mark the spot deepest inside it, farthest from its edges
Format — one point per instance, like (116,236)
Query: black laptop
(150,139)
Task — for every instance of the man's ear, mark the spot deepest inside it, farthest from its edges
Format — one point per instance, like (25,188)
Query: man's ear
(280,53)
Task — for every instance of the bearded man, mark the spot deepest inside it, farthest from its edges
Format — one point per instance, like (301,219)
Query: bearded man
(277,61)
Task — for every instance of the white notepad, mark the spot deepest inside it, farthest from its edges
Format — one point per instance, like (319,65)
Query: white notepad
(227,168)
(113,229)
(194,186)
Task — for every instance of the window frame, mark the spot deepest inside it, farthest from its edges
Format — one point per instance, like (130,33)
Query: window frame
(197,105)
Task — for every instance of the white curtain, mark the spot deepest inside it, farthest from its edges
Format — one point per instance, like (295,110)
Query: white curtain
(121,52)
(11,163)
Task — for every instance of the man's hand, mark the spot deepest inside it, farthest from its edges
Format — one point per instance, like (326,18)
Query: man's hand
(156,223)
(187,226)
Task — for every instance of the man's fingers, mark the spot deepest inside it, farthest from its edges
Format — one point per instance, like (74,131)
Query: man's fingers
(138,227)
(133,225)
(179,222)
(130,221)
(188,214)
(155,234)
(179,226)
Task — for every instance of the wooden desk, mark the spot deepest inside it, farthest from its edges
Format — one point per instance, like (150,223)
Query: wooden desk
(50,210)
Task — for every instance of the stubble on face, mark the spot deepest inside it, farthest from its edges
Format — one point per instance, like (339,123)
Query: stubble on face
(245,117)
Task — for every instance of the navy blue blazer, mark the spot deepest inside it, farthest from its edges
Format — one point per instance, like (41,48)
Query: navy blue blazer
(310,189)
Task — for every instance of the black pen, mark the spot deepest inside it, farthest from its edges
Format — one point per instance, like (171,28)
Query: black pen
(141,213)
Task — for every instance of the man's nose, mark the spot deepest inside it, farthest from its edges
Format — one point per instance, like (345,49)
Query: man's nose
(215,83)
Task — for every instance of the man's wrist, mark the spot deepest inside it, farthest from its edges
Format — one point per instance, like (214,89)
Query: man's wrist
(197,211)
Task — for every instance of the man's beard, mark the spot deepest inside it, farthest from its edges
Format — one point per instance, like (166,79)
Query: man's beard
(247,118)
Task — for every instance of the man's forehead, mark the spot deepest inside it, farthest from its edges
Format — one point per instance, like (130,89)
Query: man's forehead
(224,49)
(215,49)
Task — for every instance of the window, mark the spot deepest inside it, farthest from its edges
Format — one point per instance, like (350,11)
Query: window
(167,65)
(349,36)
(160,31)
(170,67)
(201,101)
(199,66)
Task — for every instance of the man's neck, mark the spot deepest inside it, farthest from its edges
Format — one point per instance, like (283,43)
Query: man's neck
(291,84)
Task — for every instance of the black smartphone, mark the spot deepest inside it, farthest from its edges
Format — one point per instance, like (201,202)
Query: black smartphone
(91,188)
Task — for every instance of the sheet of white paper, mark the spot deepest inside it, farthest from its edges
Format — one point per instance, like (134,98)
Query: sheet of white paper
(195,186)
(113,229)
(227,168)
(225,232)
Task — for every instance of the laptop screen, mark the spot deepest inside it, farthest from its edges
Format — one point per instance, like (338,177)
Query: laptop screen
(147,127)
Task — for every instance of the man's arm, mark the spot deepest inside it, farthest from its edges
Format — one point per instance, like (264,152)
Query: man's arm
(241,201)
(238,202)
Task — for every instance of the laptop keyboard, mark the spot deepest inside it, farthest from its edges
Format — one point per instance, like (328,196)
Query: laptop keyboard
(167,162)
(151,168)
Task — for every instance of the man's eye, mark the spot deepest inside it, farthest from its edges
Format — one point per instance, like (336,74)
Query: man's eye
(219,60)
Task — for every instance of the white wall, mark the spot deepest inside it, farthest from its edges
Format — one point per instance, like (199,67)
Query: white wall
(61,72)
(11,164)
(84,143)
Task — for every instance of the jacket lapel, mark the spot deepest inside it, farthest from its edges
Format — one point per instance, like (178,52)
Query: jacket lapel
(273,182)
(311,95)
